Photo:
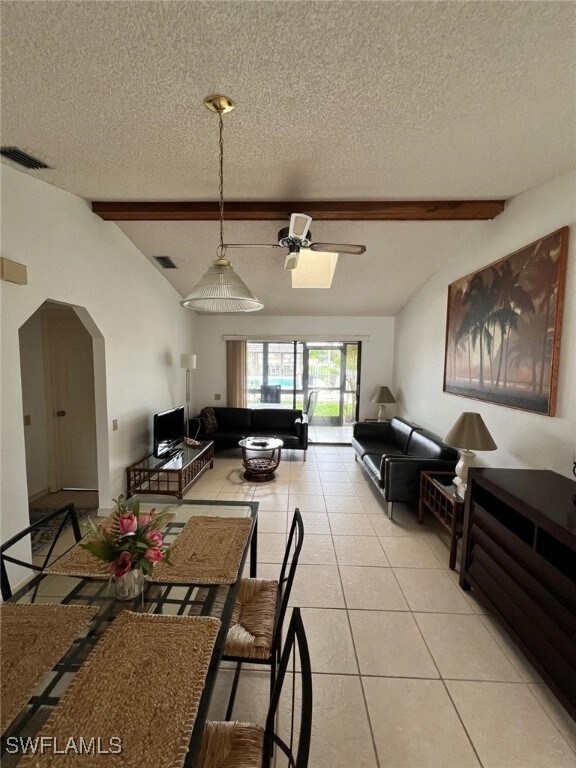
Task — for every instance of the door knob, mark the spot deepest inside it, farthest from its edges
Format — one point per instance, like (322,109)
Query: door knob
(60,413)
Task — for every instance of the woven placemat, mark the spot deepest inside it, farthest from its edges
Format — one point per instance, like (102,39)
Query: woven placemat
(79,562)
(138,690)
(208,550)
(33,639)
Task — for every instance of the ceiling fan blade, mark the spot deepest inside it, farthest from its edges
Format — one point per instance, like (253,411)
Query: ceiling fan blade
(338,248)
(251,245)
(299,225)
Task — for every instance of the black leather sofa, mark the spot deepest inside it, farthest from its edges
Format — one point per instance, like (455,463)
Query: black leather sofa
(233,424)
(395,452)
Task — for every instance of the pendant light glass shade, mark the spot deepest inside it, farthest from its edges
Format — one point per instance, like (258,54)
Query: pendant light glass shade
(221,290)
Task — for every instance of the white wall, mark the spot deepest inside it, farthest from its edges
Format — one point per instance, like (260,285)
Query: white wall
(74,257)
(210,375)
(524,439)
(34,406)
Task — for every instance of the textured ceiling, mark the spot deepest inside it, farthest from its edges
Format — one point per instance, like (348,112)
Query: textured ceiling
(335,100)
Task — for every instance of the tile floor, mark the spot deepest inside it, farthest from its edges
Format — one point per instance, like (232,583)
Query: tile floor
(409,671)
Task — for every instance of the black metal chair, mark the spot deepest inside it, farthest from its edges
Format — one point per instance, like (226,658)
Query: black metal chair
(68,514)
(234,744)
(255,634)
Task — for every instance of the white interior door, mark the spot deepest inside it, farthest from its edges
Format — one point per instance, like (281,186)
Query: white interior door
(69,357)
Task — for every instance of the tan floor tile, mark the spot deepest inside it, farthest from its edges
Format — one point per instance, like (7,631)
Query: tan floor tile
(346,524)
(340,729)
(339,489)
(252,697)
(273,502)
(429,590)
(373,505)
(388,643)
(508,727)
(307,503)
(271,547)
(556,712)
(318,549)
(348,505)
(305,487)
(372,589)
(317,586)
(386,527)
(365,489)
(463,648)
(333,477)
(415,725)
(235,496)
(359,550)
(272,522)
(315,522)
(330,641)
(409,552)
(514,655)
(329,466)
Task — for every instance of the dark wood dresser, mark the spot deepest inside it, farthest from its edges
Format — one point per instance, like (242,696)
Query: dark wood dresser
(519,550)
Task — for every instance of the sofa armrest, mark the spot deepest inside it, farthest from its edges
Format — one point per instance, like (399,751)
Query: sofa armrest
(373,429)
(301,429)
(401,475)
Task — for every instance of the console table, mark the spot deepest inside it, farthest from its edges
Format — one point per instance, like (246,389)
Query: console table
(519,550)
(172,476)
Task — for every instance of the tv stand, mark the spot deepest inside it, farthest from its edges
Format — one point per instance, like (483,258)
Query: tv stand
(170,475)
(519,550)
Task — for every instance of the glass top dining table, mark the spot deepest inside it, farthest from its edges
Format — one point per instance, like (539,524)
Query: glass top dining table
(169,599)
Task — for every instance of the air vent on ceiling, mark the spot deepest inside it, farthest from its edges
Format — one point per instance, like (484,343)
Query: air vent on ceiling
(165,262)
(22,158)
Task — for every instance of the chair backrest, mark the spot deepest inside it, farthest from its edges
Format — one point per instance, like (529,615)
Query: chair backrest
(271,393)
(311,404)
(295,644)
(289,564)
(68,514)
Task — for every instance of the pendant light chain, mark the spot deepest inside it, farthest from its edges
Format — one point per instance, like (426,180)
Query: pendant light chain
(222,252)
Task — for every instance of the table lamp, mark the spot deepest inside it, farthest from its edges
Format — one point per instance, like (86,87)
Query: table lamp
(382,396)
(189,363)
(468,432)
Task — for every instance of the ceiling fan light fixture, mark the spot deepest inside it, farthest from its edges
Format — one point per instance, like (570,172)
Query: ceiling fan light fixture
(220,289)
(315,269)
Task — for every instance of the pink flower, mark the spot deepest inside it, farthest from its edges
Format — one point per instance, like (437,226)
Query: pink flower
(155,538)
(127,523)
(122,564)
(144,518)
(154,554)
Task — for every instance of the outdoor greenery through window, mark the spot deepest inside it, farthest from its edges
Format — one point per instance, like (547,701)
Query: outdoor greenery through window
(287,374)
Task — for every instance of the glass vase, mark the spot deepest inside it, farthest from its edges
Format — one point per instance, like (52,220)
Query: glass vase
(130,585)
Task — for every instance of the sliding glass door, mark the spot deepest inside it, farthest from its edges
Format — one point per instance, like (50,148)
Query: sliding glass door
(322,376)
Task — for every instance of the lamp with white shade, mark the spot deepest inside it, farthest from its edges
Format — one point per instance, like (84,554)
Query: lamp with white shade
(382,396)
(189,363)
(468,432)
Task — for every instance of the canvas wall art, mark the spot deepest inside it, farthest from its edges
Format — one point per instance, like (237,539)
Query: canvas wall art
(503,328)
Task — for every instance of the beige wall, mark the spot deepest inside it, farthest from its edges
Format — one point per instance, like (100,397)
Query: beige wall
(524,439)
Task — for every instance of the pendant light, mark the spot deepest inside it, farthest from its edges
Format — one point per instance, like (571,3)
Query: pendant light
(221,289)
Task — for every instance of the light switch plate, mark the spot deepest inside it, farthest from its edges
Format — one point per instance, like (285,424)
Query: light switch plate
(217,397)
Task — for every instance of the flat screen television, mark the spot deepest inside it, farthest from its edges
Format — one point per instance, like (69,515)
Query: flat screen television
(169,431)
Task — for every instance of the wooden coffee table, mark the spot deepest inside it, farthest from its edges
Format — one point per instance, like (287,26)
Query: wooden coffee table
(260,469)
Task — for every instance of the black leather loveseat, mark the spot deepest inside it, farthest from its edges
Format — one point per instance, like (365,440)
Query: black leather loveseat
(395,452)
(232,424)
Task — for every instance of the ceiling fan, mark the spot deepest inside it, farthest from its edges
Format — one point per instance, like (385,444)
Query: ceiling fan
(297,237)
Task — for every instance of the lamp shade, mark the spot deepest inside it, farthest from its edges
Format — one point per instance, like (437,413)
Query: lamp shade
(383,395)
(188,362)
(470,432)
(221,290)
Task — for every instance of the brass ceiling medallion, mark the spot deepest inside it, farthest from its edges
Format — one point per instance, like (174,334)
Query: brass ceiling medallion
(219,103)
(220,289)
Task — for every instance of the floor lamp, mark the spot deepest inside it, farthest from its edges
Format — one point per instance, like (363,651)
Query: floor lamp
(189,363)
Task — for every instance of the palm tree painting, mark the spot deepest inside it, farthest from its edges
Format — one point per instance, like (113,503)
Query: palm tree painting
(503,328)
